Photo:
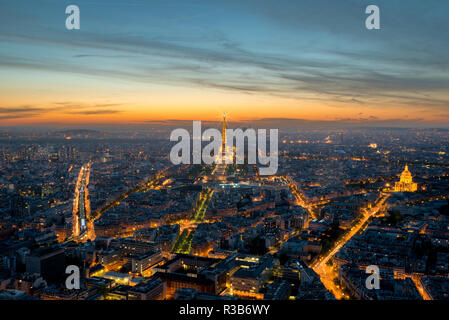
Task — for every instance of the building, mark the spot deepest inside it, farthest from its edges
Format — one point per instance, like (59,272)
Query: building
(406,183)
(226,154)
(192,294)
(223,139)
(175,281)
(188,271)
(119,278)
(291,271)
(130,247)
(109,257)
(277,290)
(14,295)
(48,262)
(352,277)
(250,276)
(153,289)
(436,288)
(143,262)
(97,282)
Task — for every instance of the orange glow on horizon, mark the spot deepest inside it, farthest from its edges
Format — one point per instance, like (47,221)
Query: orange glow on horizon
(134,106)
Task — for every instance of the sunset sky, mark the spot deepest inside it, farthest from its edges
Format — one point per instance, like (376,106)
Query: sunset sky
(141,60)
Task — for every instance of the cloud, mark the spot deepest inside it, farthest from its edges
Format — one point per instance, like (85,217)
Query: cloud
(102,56)
(20,112)
(346,122)
(95,112)
(290,49)
(16,116)
(67,107)
(333,78)
(281,123)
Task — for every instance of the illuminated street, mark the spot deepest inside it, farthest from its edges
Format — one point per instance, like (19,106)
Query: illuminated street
(299,196)
(329,274)
(81,206)
(183,242)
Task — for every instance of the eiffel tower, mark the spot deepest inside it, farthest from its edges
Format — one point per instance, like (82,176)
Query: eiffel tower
(223,140)
(220,169)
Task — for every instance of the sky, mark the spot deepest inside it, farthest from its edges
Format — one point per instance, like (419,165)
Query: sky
(138,61)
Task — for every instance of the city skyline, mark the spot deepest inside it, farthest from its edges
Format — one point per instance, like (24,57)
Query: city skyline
(114,210)
(239,152)
(144,62)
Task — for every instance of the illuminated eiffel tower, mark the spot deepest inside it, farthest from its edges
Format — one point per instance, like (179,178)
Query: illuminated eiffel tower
(220,169)
(223,140)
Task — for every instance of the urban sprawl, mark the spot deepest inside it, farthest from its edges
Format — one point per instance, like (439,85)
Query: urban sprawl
(140,228)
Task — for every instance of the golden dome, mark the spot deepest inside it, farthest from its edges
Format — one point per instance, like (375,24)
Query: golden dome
(406,182)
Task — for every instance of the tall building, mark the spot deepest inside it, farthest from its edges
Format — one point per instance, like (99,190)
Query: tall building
(340,137)
(220,169)
(227,154)
(223,138)
(48,262)
(406,184)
